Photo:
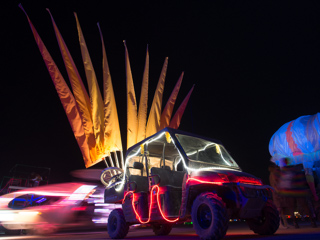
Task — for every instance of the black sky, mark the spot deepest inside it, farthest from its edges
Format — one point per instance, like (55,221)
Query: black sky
(255,66)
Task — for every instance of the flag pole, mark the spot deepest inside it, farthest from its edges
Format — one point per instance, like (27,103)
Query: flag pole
(111,161)
(116,157)
(105,161)
(122,161)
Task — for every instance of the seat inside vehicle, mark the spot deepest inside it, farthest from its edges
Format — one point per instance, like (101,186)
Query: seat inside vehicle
(168,177)
(140,181)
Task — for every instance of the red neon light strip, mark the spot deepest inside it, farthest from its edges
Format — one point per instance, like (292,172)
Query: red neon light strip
(83,208)
(197,180)
(252,182)
(158,203)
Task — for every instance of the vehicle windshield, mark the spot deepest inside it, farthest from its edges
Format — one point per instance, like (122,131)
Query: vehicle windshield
(202,153)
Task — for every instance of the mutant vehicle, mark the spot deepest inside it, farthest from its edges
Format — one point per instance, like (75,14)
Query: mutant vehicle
(175,177)
(46,209)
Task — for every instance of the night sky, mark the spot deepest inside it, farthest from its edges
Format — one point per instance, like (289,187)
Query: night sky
(255,66)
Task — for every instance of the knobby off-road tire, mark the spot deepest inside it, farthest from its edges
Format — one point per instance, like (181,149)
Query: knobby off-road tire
(161,229)
(117,225)
(209,216)
(268,223)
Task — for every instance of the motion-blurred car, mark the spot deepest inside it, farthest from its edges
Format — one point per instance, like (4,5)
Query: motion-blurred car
(49,208)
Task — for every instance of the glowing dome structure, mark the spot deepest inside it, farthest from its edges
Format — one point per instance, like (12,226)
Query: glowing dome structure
(297,140)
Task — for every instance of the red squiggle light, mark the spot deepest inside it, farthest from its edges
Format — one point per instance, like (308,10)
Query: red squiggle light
(134,209)
(159,206)
(150,206)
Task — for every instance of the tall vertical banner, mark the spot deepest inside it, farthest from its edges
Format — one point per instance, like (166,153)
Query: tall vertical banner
(143,104)
(132,118)
(95,94)
(111,122)
(65,95)
(176,120)
(153,123)
(167,111)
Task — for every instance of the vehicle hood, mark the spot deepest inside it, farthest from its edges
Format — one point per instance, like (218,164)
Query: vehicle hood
(226,176)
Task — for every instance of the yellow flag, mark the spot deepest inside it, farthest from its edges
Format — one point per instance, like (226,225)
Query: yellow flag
(153,124)
(132,118)
(111,122)
(167,112)
(175,122)
(80,94)
(65,95)
(95,94)
(143,105)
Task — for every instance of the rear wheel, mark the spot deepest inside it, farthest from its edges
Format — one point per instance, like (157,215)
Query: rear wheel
(117,225)
(268,223)
(9,231)
(209,216)
(162,229)
(12,232)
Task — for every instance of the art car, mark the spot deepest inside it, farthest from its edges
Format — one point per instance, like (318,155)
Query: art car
(175,177)
(50,208)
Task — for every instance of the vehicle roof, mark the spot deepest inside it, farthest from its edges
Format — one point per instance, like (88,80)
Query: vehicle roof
(172,132)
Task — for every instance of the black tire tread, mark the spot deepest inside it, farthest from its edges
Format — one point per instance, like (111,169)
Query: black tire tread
(221,219)
(161,229)
(270,225)
(122,226)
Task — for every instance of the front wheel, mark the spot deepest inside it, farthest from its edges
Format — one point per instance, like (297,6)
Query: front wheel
(209,216)
(268,223)
(44,229)
(162,229)
(117,225)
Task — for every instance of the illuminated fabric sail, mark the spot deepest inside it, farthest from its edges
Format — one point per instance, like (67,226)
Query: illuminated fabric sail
(95,124)
(95,94)
(143,105)
(132,118)
(175,122)
(167,112)
(153,123)
(297,140)
(111,122)
(80,94)
(65,95)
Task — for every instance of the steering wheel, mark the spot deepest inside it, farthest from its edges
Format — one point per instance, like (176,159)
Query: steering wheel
(111,174)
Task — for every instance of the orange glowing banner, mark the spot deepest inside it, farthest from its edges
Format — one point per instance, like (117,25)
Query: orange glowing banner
(167,112)
(175,122)
(153,124)
(95,94)
(80,94)
(132,118)
(143,105)
(65,95)
(111,122)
